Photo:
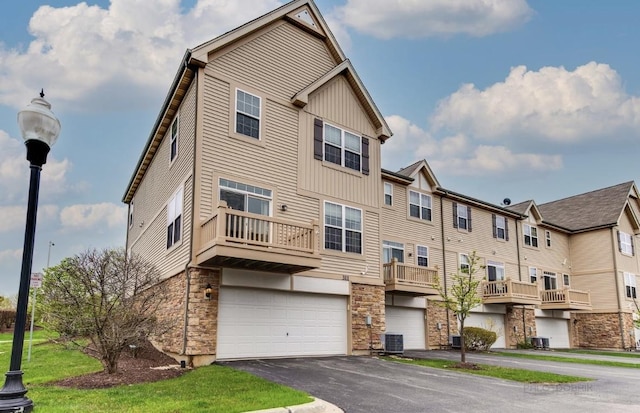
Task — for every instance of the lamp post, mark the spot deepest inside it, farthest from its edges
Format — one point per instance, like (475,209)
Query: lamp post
(40,129)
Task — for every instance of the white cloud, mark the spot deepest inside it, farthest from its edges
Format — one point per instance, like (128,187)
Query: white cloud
(93,216)
(10,255)
(14,172)
(14,217)
(552,104)
(123,53)
(413,19)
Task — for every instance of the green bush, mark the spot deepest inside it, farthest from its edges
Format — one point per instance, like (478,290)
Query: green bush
(478,339)
(524,345)
(7,317)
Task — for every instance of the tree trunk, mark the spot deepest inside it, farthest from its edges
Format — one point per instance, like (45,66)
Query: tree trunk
(463,356)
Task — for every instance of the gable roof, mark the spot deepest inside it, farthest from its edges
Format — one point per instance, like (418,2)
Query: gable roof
(521,207)
(595,209)
(420,166)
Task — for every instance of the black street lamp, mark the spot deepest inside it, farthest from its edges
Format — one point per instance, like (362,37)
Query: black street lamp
(40,129)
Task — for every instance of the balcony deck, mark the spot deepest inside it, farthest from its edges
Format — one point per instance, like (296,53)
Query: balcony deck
(238,239)
(509,292)
(408,279)
(565,299)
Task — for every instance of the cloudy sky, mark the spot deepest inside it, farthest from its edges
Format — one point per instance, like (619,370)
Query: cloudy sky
(504,98)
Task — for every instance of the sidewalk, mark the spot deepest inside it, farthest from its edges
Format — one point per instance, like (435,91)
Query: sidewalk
(316,406)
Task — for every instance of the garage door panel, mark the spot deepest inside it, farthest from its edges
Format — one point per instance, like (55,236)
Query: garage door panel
(410,323)
(555,329)
(488,321)
(262,323)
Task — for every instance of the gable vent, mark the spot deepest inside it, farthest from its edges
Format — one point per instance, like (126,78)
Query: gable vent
(306,17)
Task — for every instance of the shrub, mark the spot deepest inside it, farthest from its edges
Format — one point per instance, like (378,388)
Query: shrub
(7,317)
(524,345)
(478,339)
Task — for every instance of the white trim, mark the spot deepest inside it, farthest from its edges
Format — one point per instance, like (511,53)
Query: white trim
(343,228)
(250,115)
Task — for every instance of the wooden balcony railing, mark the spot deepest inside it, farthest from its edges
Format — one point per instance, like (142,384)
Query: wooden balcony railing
(411,279)
(253,232)
(509,291)
(565,298)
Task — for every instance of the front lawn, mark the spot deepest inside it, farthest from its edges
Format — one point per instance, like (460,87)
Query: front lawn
(206,389)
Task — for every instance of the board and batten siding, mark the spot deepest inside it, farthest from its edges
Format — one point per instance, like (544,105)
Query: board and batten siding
(147,235)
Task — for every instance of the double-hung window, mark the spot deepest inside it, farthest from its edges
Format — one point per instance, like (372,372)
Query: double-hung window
(248,114)
(388,193)
(565,280)
(630,285)
(500,230)
(423,255)
(550,281)
(342,148)
(174,218)
(530,235)
(131,214)
(625,243)
(173,150)
(391,250)
(533,275)
(547,236)
(461,216)
(495,271)
(420,205)
(464,264)
(342,228)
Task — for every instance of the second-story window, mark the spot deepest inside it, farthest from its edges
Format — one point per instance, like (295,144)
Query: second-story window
(500,229)
(625,243)
(173,151)
(420,205)
(547,236)
(533,275)
(423,255)
(174,218)
(630,285)
(530,236)
(461,217)
(550,281)
(565,280)
(342,147)
(342,228)
(464,264)
(495,271)
(388,193)
(247,114)
(247,198)
(391,250)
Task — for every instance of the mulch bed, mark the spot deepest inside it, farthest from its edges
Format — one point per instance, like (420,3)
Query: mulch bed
(131,370)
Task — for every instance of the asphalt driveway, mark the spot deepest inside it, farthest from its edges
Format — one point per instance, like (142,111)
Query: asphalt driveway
(370,385)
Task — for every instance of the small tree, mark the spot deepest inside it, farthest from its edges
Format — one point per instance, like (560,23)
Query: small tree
(462,295)
(105,296)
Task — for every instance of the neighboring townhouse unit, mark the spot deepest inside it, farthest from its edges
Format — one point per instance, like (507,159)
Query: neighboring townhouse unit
(261,198)
(257,195)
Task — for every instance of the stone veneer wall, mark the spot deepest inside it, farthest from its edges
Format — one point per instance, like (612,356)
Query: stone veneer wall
(366,300)
(436,313)
(513,318)
(602,330)
(202,317)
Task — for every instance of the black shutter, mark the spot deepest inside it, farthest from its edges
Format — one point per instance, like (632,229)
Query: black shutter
(619,242)
(455,214)
(317,139)
(506,229)
(493,222)
(469,218)
(365,156)
(632,246)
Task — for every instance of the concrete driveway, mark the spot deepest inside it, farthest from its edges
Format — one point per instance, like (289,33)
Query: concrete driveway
(370,385)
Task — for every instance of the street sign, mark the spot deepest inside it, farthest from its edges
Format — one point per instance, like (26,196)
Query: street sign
(36,280)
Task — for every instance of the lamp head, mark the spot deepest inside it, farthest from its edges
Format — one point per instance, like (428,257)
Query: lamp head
(40,129)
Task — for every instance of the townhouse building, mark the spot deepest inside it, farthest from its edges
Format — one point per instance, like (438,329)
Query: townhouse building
(260,196)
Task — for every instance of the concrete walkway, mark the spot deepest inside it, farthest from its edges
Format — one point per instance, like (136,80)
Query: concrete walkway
(316,406)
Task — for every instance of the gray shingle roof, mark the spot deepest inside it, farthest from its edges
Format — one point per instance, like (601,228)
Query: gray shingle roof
(409,169)
(597,208)
(520,208)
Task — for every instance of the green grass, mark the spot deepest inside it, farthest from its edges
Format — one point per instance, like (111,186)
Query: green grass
(564,359)
(627,354)
(506,373)
(206,389)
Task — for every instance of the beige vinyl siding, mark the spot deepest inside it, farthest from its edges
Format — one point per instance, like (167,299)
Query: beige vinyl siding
(147,236)
(626,262)
(280,60)
(555,259)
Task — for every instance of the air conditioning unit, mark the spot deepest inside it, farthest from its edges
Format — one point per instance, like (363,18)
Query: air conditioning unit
(540,342)
(393,343)
(456,341)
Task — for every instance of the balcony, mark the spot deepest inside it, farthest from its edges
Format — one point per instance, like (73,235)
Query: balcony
(238,239)
(565,299)
(509,292)
(408,279)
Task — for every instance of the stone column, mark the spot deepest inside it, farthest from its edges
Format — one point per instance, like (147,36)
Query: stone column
(518,327)
(366,300)
(437,335)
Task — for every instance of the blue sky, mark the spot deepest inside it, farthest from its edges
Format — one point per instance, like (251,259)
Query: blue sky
(521,99)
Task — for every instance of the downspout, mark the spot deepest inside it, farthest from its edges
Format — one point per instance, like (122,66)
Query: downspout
(524,322)
(615,280)
(444,261)
(186,266)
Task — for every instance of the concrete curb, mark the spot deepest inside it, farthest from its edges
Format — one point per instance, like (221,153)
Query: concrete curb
(316,406)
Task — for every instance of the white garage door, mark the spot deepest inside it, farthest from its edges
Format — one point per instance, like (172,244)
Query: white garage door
(261,323)
(555,329)
(410,323)
(489,321)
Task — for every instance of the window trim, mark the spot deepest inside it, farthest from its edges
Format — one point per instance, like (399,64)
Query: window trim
(343,146)
(536,276)
(566,280)
(343,229)
(630,286)
(467,264)
(550,275)
(173,139)
(420,206)
(497,265)
(388,185)
(418,255)
(547,238)
(462,219)
(178,195)
(527,228)
(246,193)
(387,245)
(235,111)
(625,243)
